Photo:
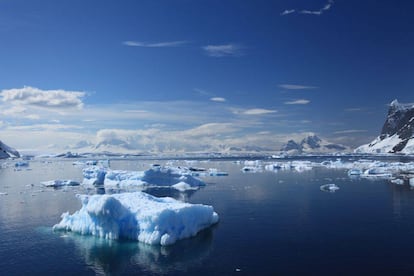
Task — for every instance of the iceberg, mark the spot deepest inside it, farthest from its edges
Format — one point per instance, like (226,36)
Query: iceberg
(138,216)
(158,176)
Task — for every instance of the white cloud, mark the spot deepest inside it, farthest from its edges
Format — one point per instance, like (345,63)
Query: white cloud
(300,101)
(32,96)
(286,12)
(296,86)
(217,99)
(156,44)
(258,111)
(223,50)
(325,8)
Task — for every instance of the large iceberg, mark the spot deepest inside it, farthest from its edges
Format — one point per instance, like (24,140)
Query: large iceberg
(138,216)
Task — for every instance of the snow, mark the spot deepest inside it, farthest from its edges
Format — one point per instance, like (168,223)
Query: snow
(138,216)
(380,146)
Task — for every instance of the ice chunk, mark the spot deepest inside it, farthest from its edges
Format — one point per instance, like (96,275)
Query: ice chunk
(60,183)
(94,175)
(397,181)
(168,176)
(329,188)
(354,172)
(123,178)
(138,216)
(411,182)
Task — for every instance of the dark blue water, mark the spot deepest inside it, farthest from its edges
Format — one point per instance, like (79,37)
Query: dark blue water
(270,224)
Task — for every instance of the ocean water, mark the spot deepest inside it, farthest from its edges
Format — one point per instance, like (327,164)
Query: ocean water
(271,223)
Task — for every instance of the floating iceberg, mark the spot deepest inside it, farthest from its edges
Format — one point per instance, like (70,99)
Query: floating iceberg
(138,216)
(174,177)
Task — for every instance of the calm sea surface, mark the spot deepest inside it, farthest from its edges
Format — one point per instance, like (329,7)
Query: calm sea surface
(271,223)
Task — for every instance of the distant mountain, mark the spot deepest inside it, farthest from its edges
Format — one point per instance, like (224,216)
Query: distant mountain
(6,151)
(312,144)
(397,135)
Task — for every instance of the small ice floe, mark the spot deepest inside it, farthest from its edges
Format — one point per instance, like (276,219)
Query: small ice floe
(411,182)
(138,216)
(216,172)
(329,188)
(21,164)
(376,173)
(354,172)
(60,183)
(2,194)
(250,169)
(397,181)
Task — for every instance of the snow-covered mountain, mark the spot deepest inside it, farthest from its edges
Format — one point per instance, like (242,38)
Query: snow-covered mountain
(312,144)
(397,135)
(6,151)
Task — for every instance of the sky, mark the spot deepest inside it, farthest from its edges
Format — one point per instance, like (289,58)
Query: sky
(192,75)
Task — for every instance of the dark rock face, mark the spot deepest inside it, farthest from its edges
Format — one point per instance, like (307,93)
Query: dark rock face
(6,151)
(291,145)
(397,134)
(400,121)
(312,144)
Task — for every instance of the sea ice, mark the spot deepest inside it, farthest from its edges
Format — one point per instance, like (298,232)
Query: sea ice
(138,216)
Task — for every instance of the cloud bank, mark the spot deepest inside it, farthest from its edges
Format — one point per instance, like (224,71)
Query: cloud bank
(31,96)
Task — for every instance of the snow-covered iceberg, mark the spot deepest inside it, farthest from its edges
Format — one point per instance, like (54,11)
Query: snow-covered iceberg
(138,216)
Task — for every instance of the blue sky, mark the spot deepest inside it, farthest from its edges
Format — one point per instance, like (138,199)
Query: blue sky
(194,74)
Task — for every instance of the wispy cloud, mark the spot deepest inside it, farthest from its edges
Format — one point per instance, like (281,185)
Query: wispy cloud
(223,50)
(258,111)
(164,44)
(31,96)
(300,101)
(353,109)
(325,8)
(286,12)
(296,87)
(217,99)
(350,131)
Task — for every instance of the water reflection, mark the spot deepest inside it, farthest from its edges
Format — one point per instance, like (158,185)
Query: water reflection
(115,257)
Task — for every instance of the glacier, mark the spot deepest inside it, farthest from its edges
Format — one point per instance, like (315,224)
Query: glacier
(138,216)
